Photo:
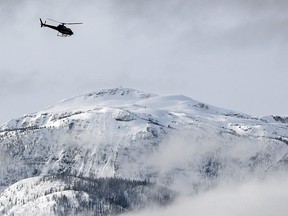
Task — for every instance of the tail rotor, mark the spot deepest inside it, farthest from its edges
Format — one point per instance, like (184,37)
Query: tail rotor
(41,22)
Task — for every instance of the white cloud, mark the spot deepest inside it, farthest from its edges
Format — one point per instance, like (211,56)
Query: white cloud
(239,188)
(255,197)
(199,158)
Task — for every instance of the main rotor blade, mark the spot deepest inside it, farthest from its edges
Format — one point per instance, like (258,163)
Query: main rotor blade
(70,23)
(55,21)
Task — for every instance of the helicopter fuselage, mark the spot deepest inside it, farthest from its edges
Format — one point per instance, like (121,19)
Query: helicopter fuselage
(60,28)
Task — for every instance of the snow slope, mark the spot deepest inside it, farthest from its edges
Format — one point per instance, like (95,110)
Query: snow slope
(173,140)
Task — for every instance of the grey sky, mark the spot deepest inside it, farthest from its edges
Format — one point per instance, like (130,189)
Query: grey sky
(231,54)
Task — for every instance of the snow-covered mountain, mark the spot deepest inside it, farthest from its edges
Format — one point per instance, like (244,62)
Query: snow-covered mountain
(148,148)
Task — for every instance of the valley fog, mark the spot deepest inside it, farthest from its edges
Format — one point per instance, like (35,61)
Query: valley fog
(233,190)
(257,197)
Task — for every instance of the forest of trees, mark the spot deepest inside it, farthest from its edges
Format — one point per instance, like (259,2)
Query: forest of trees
(108,196)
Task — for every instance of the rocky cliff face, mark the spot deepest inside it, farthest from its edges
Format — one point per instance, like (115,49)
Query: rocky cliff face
(170,142)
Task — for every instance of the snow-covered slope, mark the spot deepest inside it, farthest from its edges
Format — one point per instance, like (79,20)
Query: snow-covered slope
(172,140)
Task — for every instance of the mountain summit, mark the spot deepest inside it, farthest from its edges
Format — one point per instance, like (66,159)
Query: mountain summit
(116,150)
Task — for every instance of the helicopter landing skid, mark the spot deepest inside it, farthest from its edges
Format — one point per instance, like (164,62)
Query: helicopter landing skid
(63,35)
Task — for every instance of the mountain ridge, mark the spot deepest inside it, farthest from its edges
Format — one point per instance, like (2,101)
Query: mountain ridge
(172,140)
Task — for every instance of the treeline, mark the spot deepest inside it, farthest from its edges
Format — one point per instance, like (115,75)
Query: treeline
(110,196)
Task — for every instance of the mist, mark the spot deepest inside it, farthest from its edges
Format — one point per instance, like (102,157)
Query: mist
(258,198)
(220,175)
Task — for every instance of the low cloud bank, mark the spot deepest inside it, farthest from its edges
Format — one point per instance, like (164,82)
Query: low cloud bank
(255,197)
(202,157)
(221,175)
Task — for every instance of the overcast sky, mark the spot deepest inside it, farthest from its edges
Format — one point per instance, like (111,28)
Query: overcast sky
(231,54)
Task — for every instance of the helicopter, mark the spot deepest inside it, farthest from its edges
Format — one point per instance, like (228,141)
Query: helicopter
(63,31)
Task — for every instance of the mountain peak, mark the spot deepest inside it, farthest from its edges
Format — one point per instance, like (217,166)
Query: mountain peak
(120,91)
(102,98)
